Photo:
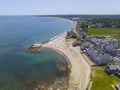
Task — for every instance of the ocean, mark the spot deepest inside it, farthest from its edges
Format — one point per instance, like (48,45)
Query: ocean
(20,69)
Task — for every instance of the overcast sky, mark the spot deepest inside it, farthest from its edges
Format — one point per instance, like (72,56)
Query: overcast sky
(50,7)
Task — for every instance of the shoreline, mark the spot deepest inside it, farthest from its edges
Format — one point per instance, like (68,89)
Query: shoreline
(54,37)
(80,69)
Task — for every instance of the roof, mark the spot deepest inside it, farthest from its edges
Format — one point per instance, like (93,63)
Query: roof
(118,86)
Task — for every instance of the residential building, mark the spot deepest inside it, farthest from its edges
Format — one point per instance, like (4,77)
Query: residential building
(98,56)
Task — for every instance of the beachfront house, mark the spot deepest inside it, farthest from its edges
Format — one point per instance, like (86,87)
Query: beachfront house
(80,32)
(97,56)
(118,52)
(84,47)
(117,86)
(113,69)
(88,38)
(116,60)
(108,46)
(98,36)
(78,42)
(79,29)
(92,40)
(97,25)
(114,52)
(71,34)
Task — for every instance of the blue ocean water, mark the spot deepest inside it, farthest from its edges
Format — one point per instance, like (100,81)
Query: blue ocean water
(20,69)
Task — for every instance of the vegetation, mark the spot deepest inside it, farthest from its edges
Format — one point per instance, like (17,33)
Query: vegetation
(84,36)
(101,80)
(107,21)
(67,37)
(102,30)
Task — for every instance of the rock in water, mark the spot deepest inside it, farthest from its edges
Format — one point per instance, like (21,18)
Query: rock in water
(34,47)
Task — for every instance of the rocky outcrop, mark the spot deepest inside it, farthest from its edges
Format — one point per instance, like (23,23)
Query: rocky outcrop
(34,47)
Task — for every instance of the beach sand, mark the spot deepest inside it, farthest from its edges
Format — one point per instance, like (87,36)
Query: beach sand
(80,70)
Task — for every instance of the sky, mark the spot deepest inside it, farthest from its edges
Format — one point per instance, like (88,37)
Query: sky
(53,7)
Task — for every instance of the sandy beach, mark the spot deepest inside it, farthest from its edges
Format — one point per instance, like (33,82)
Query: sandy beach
(80,71)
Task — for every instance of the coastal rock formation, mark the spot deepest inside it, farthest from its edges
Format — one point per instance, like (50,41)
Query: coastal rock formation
(34,47)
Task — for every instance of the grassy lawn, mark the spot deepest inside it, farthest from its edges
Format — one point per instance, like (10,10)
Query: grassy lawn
(102,81)
(102,31)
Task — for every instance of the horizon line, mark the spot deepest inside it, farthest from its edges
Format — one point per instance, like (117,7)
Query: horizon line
(53,14)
